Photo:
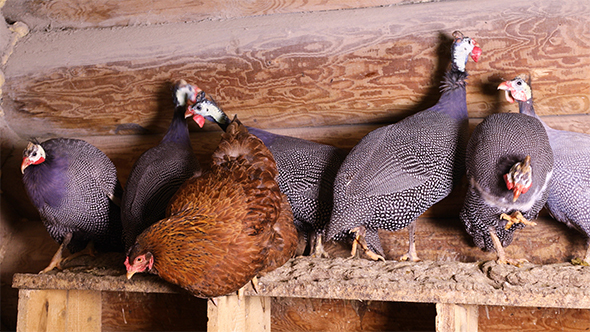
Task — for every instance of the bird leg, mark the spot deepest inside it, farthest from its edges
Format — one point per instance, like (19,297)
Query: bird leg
(501,253)
(359,240)
(411,255)
(89,250)
(516,218)
(318,248)
(58,256)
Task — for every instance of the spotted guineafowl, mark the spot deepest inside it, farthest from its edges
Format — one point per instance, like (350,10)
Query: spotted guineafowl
(158,172)
(397,172)
(569,191)
(306,172)
(509,165)
(74,187)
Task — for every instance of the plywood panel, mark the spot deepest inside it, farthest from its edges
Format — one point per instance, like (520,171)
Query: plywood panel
(298,70)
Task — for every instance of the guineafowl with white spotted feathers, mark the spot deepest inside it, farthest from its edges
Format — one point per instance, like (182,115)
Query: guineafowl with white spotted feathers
(396,172)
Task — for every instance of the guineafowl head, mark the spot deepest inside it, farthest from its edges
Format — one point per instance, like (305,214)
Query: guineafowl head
(516,89)
(32,155)
(208,109)
(462,48)
(183,94)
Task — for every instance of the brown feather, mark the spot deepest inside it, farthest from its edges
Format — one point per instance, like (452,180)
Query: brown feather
(227,226)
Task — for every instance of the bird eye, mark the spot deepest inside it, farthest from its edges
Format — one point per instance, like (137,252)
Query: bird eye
(138,259)
(34,154)
(198,107)
(519,83)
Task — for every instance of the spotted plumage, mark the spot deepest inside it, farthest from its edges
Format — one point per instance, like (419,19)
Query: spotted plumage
(74,187)
(397,172)
(306,170)
(498,143)
(569,192)
(159,172)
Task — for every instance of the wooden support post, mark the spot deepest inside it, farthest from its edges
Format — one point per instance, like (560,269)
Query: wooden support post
(250,314)
(59,310)
(456,317)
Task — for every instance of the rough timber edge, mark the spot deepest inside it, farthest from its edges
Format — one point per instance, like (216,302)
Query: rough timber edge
(485,283)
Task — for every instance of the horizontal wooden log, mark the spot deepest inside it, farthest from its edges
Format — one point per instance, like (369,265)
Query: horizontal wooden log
(104,13)
(297,70)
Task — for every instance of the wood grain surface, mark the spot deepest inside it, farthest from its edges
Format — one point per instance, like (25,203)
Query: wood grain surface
(505,319)
(298,70)
(104,13)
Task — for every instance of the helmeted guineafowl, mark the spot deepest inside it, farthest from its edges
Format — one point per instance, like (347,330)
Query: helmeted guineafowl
(509,164)
(569,191)
(74,187)
(395,173)
(158,172)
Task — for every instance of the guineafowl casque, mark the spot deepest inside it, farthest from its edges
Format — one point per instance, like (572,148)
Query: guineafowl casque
(396,172)
(569,191)
(509,165)
(159,171)
(306,172)
(74,187)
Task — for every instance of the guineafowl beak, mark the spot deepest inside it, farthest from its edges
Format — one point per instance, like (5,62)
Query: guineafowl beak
(26,162)
(506,86)
(476,52)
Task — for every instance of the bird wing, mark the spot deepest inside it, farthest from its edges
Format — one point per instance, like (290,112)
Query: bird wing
(401,156)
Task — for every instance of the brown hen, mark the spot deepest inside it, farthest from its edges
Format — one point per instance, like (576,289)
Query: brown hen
(225,227)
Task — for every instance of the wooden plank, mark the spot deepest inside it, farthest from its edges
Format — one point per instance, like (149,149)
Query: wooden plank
(430,282)
(59,310)
(134,311)
(303,314)
(42,310)
(84,311)
(313,69)
(103,13)
(456,318)
(230,313)
(507,319)
(480,283)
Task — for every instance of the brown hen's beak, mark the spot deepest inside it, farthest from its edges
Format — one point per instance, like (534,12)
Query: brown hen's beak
(130,274)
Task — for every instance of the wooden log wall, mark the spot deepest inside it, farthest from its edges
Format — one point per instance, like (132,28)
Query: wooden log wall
(102,71)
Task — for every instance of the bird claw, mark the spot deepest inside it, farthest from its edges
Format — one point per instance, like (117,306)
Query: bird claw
(360,241)
(516,218)
(254,283)
(409,257)
(579,261)
(514,262)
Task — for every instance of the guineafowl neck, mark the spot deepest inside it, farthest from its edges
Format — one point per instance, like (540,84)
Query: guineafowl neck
(453,98)
(178,130)
(220,118)
(526,107)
